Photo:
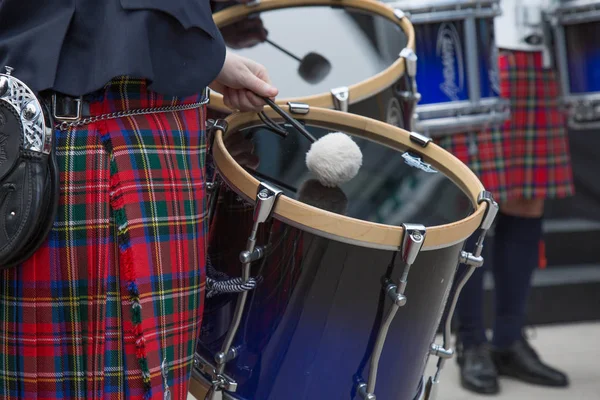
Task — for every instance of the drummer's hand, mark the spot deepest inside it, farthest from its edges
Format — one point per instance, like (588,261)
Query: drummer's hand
(240,77)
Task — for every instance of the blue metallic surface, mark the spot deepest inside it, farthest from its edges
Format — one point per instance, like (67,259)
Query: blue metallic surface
(442,64)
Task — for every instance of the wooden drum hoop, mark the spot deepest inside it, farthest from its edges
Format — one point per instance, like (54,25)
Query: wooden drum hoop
(356,92)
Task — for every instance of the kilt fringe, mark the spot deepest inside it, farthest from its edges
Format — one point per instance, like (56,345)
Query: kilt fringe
(127,261)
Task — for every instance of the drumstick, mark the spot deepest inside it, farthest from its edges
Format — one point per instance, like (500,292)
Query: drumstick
(289,119)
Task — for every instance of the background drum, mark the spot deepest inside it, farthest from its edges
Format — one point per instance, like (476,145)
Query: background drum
(457,65)
(341,54)
(575,24)
(335,300)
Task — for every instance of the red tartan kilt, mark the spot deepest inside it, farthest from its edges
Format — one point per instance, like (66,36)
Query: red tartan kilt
(528,157)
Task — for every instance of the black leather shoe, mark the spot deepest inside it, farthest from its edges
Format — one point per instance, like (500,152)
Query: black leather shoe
(477,371)
(520,361)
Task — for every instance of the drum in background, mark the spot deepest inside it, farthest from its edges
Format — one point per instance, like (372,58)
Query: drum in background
(339,54)
(575,24)
(313,292)
(457,65)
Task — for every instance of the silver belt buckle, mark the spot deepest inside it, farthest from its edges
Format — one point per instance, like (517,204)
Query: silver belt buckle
(77,116)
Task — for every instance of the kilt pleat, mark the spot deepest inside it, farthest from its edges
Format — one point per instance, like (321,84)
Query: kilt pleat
(117,289)
(528,156)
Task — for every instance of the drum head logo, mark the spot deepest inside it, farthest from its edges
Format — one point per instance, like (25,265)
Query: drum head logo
(394,115)
(449,49)
(416,162)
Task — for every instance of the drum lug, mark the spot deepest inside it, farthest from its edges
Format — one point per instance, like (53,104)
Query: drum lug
(298,108)
(341,96)
(440,351)
(470,260)
(256,254)
(222,358)
(391,290)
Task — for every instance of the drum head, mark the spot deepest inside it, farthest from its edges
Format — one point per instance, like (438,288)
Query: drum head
(325,39)
(399,181)
(392,187)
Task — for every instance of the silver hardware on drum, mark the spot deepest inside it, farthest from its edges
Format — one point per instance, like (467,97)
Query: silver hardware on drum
(473,260)
(399,13)
(266,199)
(412,243)
(421,140)
(204,370)
(341,98)
(298,108)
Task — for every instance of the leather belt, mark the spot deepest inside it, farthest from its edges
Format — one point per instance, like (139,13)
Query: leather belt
(67,108)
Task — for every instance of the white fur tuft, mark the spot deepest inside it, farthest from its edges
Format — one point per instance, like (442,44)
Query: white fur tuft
(334,159)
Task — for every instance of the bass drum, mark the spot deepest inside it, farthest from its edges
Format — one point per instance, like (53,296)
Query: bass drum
(330,293)
(348,55)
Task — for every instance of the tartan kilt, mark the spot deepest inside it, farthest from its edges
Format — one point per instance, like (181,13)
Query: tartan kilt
(528,156)
(117,289)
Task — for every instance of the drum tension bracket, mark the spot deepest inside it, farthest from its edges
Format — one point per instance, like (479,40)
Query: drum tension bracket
(412,244)
(341,97)
(209,373)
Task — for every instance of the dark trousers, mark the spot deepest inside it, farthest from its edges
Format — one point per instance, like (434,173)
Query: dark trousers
(514,257)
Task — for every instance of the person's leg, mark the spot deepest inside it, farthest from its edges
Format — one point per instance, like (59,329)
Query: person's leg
(516,251)
(518,233)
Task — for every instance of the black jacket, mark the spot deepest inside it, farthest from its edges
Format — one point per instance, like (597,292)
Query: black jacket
(77,46)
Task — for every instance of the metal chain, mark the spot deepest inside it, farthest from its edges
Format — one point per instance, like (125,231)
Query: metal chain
(63,126)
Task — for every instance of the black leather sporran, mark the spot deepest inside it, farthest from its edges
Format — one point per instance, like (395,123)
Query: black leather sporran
(28,172)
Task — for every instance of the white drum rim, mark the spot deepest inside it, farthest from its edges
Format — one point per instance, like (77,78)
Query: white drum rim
(347,229)
(357,91)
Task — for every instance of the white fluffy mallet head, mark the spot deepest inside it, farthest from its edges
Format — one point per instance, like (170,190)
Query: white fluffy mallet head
(334,159)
